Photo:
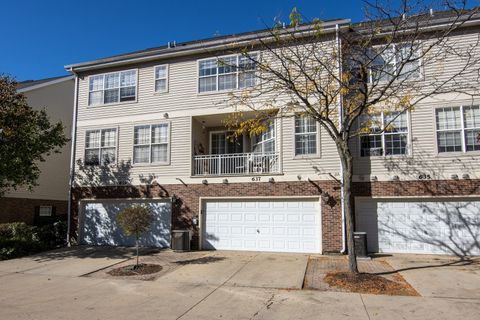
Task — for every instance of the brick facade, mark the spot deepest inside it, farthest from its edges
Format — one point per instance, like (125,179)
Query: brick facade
(188,203)
(25,209)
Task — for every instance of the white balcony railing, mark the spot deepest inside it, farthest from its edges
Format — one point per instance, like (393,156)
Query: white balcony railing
(235,164)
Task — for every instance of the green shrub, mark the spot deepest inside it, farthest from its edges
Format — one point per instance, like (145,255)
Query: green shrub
(19,239)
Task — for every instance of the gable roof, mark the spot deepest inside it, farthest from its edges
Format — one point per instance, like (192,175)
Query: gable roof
(192,47)
(28,85)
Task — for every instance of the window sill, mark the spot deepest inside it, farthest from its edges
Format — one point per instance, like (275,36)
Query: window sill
(306,157)
(456,154)
(112,104)
(160,93)
(150,164)
(207,93)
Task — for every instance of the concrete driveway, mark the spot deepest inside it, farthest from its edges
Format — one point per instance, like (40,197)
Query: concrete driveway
(226,285)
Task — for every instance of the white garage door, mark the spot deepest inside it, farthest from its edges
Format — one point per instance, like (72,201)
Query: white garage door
(428,226)
(98,225)
(263,225)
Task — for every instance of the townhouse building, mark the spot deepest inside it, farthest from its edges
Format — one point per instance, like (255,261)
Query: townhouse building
(150,129)
(49,199)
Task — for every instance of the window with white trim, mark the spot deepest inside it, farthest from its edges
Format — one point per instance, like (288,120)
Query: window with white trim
(45,211)
(161,78)
(100,147)
(458,129)
(265,142)
(112,87)
(387,62)
(150,143)
(226,73)
(388,134)
(305,135)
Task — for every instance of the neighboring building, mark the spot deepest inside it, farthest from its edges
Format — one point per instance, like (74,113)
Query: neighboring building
(50,197)
(150,130)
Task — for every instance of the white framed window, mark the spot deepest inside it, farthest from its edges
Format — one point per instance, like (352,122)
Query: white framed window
(112,87)
(45,211)
(100,147)
(305,135)
(388,134)
(151,144)
(161,78)
(265,142)
(387,62)
(226,73)
(222,143)
(458,129)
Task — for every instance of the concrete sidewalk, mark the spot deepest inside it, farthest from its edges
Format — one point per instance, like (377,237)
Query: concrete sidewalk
(217,285)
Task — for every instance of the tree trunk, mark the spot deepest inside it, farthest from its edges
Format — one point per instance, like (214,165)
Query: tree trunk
(347,166)
(136,244)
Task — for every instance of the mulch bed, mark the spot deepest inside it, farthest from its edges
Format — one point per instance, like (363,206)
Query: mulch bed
(134,270)
(369,283)
(330,273)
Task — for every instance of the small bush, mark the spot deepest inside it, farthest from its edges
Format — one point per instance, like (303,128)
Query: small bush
(19,239)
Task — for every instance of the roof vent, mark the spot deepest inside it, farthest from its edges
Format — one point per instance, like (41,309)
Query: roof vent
(172,44)
(431,12)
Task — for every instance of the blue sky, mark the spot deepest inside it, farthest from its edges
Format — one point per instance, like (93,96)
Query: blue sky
(43,36)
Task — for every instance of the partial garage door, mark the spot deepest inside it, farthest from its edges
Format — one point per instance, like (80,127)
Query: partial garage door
(413,226)
(263,225)
(98,225)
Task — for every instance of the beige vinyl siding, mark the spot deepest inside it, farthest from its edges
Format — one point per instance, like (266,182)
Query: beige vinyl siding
(57,99)
(182,101)
(179,146)
(325,162)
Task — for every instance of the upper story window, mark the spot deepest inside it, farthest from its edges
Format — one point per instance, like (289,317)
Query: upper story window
(397,60)
(112,87)
(226,73)
(388,134)
(100,147)
(150,144)
(305,135)
(458,129)
(265,142)
(161,78)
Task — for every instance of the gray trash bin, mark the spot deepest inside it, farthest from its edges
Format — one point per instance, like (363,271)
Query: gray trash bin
(360,243)
(181,240)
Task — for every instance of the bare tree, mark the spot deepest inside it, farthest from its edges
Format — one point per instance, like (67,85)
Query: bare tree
(343,76)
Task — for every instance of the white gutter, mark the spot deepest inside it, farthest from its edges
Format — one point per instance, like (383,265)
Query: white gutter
(72,160)
(340,114)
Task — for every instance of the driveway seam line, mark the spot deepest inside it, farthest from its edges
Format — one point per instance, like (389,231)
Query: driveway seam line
(365,307)
(221,285)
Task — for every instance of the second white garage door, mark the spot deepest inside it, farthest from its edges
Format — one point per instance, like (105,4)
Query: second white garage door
(262,225)
(449,226)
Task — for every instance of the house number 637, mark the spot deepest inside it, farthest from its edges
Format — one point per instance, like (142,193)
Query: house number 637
(255,178)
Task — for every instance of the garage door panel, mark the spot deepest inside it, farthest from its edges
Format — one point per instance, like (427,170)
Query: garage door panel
(275,225)
(409,226)
(98,225)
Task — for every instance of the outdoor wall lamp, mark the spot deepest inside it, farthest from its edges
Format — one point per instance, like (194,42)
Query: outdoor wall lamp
(225,181)
(165,115)
(204,181)
(174,198)
(374,178)
(454,176)
(395,178)
(466,176)
(271,180)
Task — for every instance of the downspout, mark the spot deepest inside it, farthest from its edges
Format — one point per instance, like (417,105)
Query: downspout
(72,159)
(340,114)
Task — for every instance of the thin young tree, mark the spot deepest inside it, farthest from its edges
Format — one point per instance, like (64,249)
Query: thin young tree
(135,220)
(343,77)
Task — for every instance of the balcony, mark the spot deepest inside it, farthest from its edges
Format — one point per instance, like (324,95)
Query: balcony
(236,164)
